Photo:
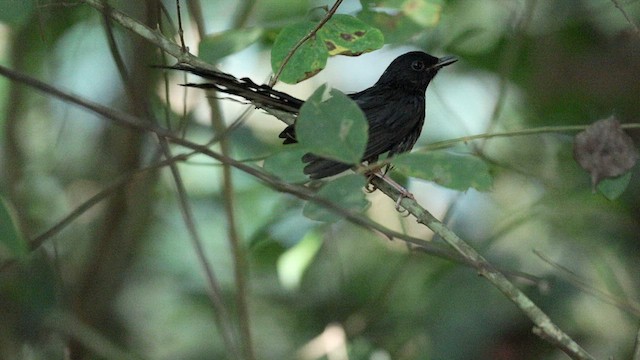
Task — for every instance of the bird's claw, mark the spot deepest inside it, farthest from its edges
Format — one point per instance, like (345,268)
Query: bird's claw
(403,194)
(370,187)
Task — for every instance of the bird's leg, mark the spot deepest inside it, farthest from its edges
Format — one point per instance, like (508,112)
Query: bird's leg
(404,193)
(370,187)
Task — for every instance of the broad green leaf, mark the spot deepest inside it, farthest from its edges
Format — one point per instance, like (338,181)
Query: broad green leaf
(342,34)
(345,192)
(216,46)
(458,172)
(307,61)
(347,35)
(335,128)
(612,188)
(10,239)
(287,164)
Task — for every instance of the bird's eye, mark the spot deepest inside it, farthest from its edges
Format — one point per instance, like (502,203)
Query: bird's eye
(417,65)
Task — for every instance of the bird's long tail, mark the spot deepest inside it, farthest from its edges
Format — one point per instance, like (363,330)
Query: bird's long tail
(262,96)
(265,97)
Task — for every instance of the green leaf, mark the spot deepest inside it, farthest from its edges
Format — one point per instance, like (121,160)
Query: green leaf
(396,28)
(458,172)
(10,239)
(341,35)
(422,12)
(293,264)
(287,164)
(307,61)
(345,192)
(279,13)
(335,128)
(216,46)
(407,18)
(612,188)
(347,35)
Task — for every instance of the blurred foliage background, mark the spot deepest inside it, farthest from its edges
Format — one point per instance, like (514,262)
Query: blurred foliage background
(124,280)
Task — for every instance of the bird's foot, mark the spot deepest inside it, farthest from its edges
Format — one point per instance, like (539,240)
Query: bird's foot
(370,187)
(404,193)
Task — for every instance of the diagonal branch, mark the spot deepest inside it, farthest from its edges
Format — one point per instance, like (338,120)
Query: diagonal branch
(545,328)
(238,250)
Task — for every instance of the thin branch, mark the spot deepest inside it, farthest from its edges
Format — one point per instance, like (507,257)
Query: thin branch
(445,144)
(88,336)
(180,29)
(214,290)
(240,264)
(635,26)
(301,42)
(150,35)
(622,304)
(523,132)
(124,179)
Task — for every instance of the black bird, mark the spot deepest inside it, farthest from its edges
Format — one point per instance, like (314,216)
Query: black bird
(394,106)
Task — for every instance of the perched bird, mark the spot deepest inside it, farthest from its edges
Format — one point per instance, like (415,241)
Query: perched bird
(394,106)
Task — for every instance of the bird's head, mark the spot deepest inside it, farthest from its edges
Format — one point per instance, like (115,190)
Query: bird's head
(413,70)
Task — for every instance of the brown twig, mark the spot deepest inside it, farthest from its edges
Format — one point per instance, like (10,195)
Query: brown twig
(180,29)
(214,290)
(240,264)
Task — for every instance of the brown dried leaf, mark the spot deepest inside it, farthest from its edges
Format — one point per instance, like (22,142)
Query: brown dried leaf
(604,150)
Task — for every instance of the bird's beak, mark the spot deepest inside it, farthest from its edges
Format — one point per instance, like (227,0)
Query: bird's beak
(445,60)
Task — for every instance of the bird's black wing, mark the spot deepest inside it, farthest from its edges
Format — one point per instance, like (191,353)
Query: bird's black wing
(395,122)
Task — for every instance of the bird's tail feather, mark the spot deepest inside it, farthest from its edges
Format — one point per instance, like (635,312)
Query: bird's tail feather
(262,96)
(318,167)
